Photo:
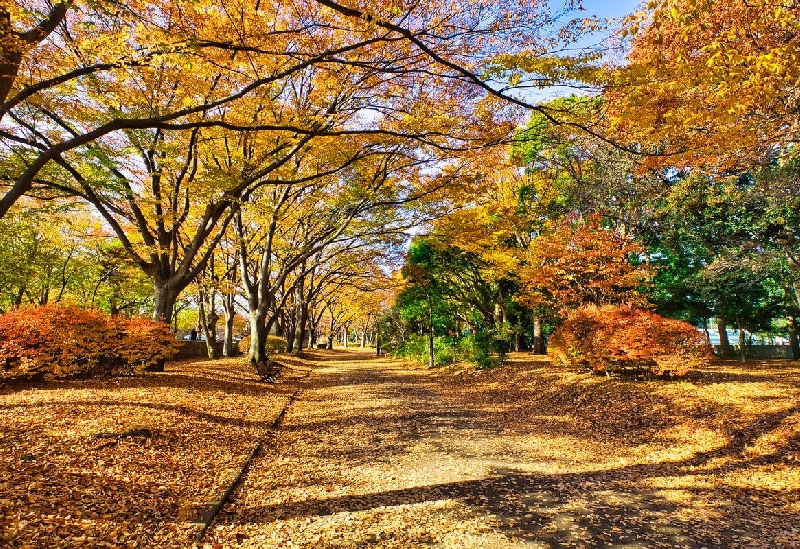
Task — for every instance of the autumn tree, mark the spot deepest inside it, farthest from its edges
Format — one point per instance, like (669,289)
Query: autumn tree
(216,55)
(580,262)
(709,84)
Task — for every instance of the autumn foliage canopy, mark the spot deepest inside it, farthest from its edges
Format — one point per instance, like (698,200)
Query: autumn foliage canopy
(59,341)
(582,262)
(621,338)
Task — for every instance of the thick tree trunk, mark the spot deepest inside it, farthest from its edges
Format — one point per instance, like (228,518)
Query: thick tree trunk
(794,338)
(258,336)
(166,296)
(724,344)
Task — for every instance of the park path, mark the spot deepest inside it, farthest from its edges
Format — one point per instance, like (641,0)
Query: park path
(373,453)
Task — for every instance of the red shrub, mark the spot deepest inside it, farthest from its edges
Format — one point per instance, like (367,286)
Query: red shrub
(620,338)
(64,341)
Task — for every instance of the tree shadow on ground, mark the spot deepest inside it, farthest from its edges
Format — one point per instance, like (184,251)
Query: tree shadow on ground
(639,505)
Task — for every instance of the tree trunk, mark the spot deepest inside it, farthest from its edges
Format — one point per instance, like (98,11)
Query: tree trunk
(363,338)
(724,344)
(258,336)
(742,349)
(794,268)
(302,323)
(291,333)
(794,340)
(230,315)
(430,334)
(208,321)
(345,336)
(538,340)
(166,296)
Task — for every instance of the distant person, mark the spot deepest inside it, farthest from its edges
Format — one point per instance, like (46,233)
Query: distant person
(193,335)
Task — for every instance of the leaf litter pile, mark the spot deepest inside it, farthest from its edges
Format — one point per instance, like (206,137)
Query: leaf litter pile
(376,453)
(126,462)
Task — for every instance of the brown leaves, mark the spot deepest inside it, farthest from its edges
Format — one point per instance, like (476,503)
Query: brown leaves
(126,462)
(374,454)
(378,455)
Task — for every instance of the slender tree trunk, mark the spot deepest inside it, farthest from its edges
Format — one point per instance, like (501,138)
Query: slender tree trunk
(291,333)
(538,340)
(331,331)
(230,314)
(312,332)
(742,349)
(345,335)
(302,323)
(794,268)
(363,338)
(430,334)
(208,321)
(724,344)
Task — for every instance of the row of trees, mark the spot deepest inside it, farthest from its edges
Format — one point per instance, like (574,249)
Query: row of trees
(264,150)
(684,196)
(278,153)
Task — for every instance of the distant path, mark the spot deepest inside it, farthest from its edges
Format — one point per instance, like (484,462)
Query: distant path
(375,454)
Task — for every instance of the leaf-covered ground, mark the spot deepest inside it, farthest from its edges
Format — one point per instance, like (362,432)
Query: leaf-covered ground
(127,462)
(377,454)
(374,453)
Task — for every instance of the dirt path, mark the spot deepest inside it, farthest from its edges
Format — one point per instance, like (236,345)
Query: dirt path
(373,454)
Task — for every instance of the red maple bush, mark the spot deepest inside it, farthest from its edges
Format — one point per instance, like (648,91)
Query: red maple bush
(60,341)
(621,338)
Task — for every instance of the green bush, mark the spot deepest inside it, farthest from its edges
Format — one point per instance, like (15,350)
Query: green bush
(483,349)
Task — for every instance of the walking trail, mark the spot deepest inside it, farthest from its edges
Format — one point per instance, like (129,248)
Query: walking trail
(373,453)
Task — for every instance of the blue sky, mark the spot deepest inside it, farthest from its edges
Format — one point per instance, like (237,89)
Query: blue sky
(612,8)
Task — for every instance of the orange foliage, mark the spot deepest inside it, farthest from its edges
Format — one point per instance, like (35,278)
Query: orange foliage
(581,263)
(144,343)
(65,341)
(620,338)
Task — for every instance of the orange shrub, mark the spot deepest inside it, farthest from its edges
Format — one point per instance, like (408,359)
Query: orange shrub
(622,338)
(64,341)
(145,344)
